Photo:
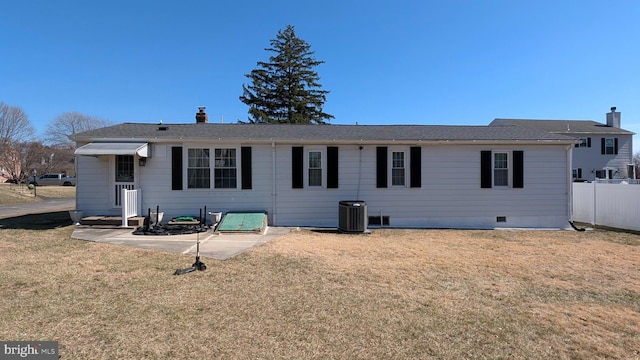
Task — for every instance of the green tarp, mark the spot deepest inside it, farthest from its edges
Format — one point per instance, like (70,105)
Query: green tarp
(244,221)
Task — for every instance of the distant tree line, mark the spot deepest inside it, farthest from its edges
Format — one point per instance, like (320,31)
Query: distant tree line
(22,152)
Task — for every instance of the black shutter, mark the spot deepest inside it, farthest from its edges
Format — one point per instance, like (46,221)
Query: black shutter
(579,173)
(297,167)
(485,169)
(415,162)
(381,167)
(176,168)
(602,146)
(518,169)
(615,146)
(332,167)
(588,142)
(245,166)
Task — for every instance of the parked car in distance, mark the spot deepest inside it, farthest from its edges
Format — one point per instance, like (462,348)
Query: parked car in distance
(53,179)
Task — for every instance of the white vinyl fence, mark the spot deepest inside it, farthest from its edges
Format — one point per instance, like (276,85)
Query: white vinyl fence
(131,204)
(613,205)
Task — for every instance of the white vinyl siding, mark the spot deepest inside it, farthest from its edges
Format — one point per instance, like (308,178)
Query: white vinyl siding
(449,196)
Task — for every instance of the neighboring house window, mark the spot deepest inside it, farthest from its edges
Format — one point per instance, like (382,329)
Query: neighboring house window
(124,168)
(584,142)
(398,168)
(500,169)
(315,168)
(577,173)
(226,173)
(198,169)
(601,174)
(609,146)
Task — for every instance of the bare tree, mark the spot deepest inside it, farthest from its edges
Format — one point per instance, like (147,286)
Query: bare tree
(68,124)
(636,162)
(15,131)
(46,159)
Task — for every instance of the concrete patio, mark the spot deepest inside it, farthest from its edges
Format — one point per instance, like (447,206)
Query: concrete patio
(220,246)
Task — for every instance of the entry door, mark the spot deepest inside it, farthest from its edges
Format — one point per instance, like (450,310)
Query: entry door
(122,177)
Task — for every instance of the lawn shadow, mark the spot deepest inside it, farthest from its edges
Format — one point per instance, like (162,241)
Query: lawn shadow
(44,221)
(326,230)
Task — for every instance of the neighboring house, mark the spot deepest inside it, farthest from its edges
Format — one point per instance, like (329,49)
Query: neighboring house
(418,176)
(11,168)
(603,151)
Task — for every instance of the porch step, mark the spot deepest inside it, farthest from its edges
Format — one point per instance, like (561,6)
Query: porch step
(135,221)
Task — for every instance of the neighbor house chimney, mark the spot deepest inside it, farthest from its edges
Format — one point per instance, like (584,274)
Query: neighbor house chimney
(201,116)
(613,118)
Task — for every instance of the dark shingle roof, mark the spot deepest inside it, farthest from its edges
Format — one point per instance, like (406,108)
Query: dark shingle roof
(567,127)
(290,132)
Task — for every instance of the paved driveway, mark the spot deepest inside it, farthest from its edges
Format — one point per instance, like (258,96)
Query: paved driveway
(46,206)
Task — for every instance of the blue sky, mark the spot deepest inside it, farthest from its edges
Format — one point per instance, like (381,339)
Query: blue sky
(455,62)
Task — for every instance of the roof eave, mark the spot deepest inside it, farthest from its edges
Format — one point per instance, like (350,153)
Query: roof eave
(336,141)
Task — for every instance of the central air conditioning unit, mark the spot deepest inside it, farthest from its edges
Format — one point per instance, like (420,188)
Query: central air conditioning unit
(352,216)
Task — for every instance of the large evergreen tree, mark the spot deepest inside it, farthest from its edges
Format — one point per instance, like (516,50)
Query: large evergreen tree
(286,89)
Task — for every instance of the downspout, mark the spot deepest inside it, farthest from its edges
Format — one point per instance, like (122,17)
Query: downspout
(569,176)
(75,169)
(569,173)
(274,221)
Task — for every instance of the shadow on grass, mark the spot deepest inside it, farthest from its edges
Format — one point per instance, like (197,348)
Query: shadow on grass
(326,231)
(45,221)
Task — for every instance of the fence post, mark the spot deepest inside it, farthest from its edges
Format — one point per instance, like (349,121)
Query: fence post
(139,201)
(125,205)
(595,203)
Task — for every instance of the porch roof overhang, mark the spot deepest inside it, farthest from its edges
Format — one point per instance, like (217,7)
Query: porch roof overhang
(114,148)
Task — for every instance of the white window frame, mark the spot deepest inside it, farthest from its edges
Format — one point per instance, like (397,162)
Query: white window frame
(404,168)
(189,167)
(212,167)
(307,167)
(216,167)
(508,169)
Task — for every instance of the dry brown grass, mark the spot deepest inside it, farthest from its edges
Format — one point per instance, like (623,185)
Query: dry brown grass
(392,294)
(20,194)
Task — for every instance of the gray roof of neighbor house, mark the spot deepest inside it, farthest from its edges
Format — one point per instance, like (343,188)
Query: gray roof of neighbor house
(306,133)
(567,127)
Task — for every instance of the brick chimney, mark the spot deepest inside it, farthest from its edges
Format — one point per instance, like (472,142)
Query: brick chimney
(201,116)
(613,118)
